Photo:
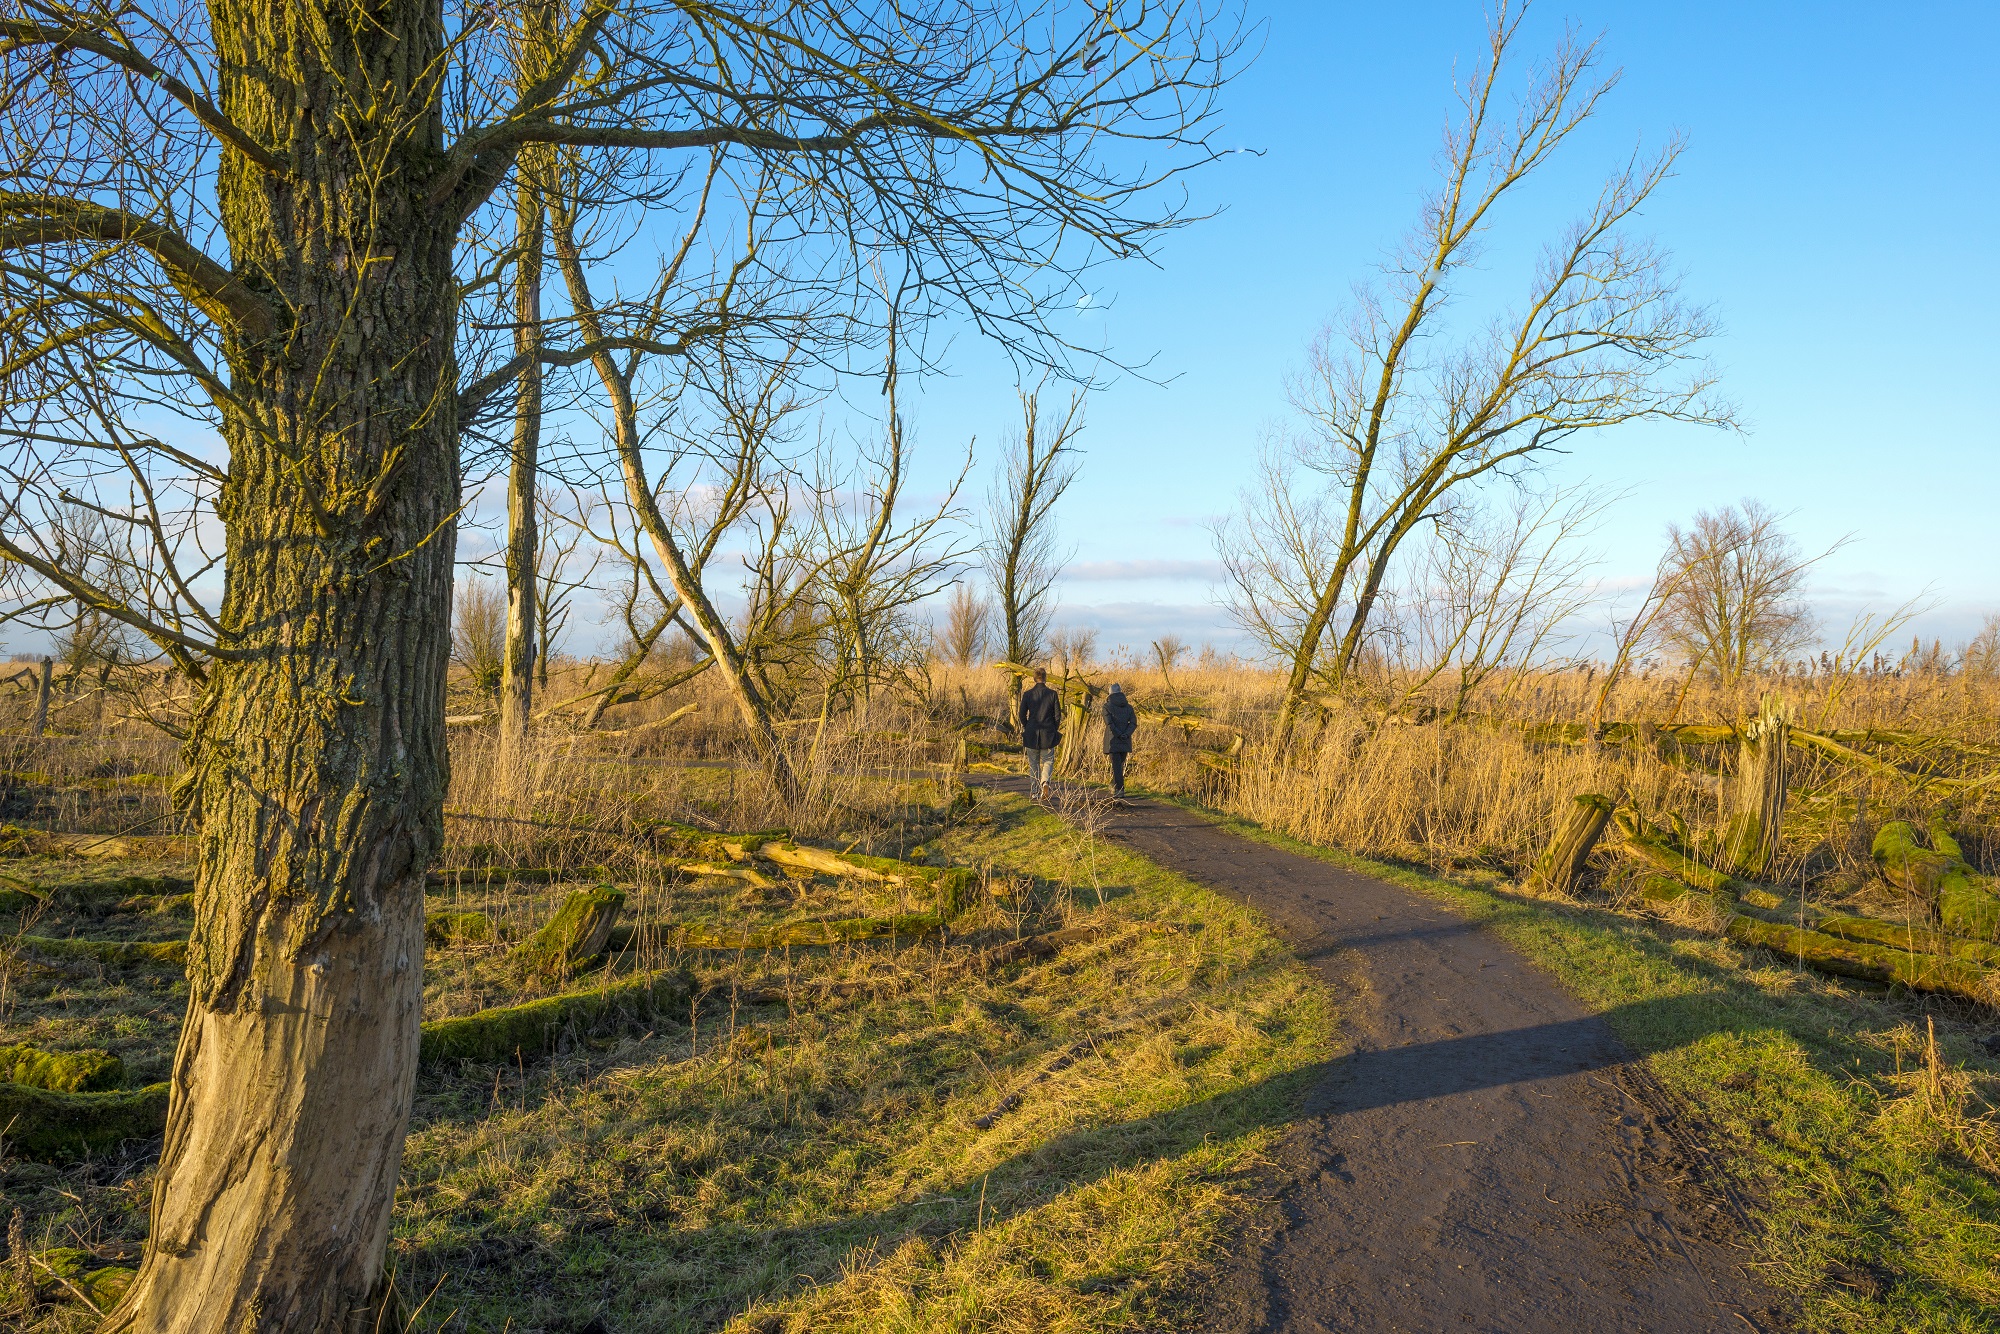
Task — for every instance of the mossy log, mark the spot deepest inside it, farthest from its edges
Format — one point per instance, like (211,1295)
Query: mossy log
(51,1127)
(1829,953)
(949,890)
(62,1071)
(807,934)
(579,930)
(1963,899)
(1903,936)
(1561,863)
(536,1027)
(458,928)
(1657,853)
(125,893)
(172,953)
(748,875)
(452,877)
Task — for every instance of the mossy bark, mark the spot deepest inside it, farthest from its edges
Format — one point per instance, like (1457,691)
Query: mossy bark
(1561,864)
(578,931)
(1963,899)
(1843,956)
(316,760)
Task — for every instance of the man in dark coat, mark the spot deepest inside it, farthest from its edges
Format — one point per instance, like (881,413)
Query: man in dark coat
(1041,730)
(1121,720)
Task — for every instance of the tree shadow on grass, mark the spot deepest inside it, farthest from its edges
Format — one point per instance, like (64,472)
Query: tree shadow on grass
(705,1275)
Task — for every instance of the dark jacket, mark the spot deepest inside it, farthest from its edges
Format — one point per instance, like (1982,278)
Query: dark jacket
(1041,718)
(1121,720)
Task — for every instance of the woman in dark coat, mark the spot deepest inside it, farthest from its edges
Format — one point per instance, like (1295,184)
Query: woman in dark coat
(1121,720)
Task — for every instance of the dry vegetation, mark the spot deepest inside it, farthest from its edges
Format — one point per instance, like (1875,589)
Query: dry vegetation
(935,1133)
(1041,1117)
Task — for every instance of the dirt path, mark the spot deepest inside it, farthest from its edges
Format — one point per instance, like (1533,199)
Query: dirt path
(1485,1157)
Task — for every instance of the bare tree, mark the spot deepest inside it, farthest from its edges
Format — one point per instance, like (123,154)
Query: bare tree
(872,566)
(1980,656)
(479,617)
(245,221)
(1023,555)
(1738,602)
(1491,591)
(968,619)
(1399,415)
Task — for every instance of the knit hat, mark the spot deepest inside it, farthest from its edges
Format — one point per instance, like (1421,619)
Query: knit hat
(1117,689)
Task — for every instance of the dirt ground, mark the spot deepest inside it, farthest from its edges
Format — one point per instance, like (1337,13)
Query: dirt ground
(1485,1155)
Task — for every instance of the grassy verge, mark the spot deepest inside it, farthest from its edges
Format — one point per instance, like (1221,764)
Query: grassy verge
(874,1136)
(806,1149)
(1874,1163)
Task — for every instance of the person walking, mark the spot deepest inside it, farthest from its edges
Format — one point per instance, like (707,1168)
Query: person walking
(1121,720)
(1041,730)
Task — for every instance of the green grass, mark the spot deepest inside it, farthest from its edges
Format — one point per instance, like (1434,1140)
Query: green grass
(1873,1187)
(818,1165)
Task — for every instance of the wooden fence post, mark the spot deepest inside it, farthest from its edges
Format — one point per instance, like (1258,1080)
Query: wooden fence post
(41,722)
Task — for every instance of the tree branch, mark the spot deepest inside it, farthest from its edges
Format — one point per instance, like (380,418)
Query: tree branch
(30,220)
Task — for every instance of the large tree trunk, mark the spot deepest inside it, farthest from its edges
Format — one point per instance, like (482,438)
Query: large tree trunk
(317,758)
(518,655)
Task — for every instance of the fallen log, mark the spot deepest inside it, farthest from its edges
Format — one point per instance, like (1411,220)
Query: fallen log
(807,934)
(1904,936)
(1562,862)
(51,1127)
(534,1028)
(1843,957)
(1963,899)
(172,953)
(61,1071)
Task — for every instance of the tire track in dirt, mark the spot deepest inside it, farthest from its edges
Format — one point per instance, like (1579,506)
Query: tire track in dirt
(1486,1156)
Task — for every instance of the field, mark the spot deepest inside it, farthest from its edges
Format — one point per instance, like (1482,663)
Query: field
(1049,1110)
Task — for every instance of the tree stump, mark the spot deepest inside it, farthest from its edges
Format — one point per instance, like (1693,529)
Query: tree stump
(1561,863)
(1759,791)
(579,930)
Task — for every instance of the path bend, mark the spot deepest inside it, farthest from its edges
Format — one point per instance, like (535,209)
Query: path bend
(1485,1154)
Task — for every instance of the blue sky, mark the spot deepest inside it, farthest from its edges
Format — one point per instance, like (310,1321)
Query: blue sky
(1835,205)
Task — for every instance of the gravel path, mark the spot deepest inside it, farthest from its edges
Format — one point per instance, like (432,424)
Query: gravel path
(1486,1156)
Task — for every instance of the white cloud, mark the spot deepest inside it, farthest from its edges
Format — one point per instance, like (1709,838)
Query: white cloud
(1114,571)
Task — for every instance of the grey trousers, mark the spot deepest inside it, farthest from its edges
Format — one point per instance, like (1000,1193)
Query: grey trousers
(1041,766)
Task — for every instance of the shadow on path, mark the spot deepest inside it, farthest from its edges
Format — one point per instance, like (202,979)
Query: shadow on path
(1487,1156)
